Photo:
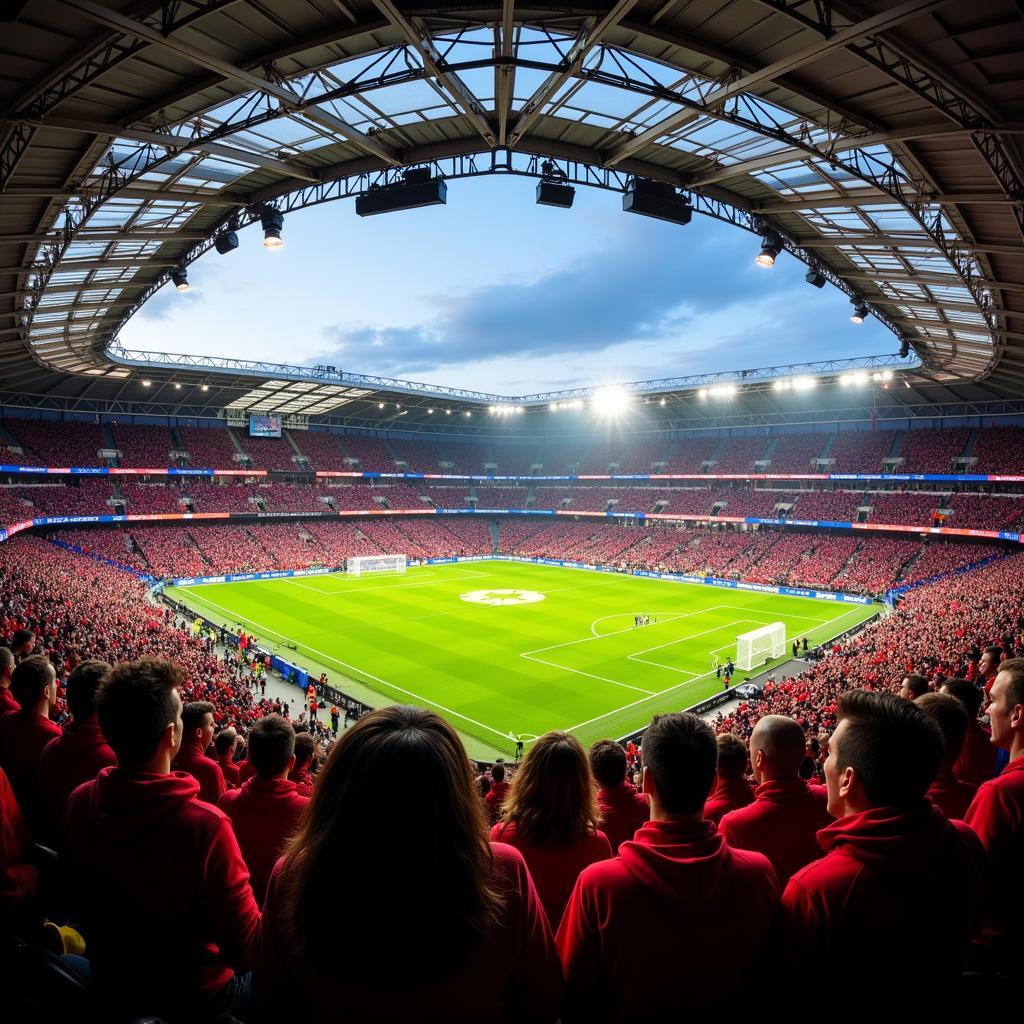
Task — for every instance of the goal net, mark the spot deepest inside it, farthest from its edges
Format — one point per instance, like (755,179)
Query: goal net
(757,646)
(362,564)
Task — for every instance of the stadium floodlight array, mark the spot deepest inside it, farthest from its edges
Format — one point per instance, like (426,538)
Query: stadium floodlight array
(757,646)
(362,564)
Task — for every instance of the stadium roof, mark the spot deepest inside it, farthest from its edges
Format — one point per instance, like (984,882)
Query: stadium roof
(882,142)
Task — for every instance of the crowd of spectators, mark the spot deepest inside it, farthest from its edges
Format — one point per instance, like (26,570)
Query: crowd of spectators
(209,447)
(215,497)
(142,446)
(169,551)
(796,453)
(908,507)
(860,451)
(150,499)
(266,452)
(293,498)
(501,497)
(832,506)
(59,444)
(998,450)
(321,450)
(83,497)
(985,511)
(932,451)
(373,456)
(739,454)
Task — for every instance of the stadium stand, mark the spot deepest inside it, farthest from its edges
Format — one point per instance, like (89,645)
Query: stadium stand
(266,452)
(932,451)
(739,454)
(321,450)
(861,451)
(797,453)
(59,444)
(141,446)
(209,448)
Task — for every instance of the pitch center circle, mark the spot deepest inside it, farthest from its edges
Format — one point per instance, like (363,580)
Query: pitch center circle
(502,596)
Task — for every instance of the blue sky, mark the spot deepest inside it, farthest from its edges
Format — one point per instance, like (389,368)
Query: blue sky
(495,293)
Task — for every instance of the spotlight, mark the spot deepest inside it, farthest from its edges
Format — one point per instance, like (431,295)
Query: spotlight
(177,386)
(180,278)
(781,385)
(553,407)
(804,383)
(656,199)
(225,242)
(815,278)
(887,375)
(430,412)
(205,387)
(272,221)
(468,414)
(720,391)
(662,402)
(146,383)
(380,405)
(771,246)
(611,401)
(860,311)
(447,412)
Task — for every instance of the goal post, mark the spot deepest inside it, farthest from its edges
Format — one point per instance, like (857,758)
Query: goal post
(759,645)
(360,565)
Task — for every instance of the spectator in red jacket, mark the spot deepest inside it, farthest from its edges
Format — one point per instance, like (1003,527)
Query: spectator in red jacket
(947,792)
(197,722)
(997,815)
(731,787)
(305,751)
(445,926)
(551,818)
(267,809)
(896,875)
(497,794)
(7,701)
(81,752)
(138,837)
(623,810)
(978,759)
(224,743)
(913,686)
(24,734)
(647,935)
(787,812)
(19,879)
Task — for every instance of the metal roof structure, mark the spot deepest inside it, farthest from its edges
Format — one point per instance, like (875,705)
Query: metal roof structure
(883,143)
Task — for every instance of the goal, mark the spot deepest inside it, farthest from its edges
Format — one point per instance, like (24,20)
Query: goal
(757,646)
(358,565)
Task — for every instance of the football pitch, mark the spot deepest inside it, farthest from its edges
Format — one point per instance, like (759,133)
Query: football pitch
(506,649)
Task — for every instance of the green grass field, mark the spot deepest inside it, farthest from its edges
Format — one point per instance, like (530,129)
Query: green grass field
(561,652)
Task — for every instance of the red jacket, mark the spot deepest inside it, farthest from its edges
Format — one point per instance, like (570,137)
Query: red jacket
(623,811)
(891,882)
(165,894)
(230,771)
(203,769)
(69,760)
(23,736)
(782,823)
(653,931)
(513,975)
(728,795)
(997,816)
(303,780)
(7,701)
(263,813)
(978,760)
(554,869)
(19,880)
(950,795)
(494,800)
(245,771)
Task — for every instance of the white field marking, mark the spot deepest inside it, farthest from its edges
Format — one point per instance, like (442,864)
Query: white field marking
(669,617)
(590,675)
(673,668)
(353,668)
(679,640)
(398,586)
(685,682)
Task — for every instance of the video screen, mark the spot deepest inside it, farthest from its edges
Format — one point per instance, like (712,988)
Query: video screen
(264,425)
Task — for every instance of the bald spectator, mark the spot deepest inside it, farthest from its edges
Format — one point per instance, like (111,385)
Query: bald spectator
(732,790)
(977,761)
(497,794)
(896,875)
(947,792)
(225,742)
(623,810)
(197,723)
(913,686)
(646,933)
(988,666)
(7,701)
(81,752)
(997,815)
(787,812)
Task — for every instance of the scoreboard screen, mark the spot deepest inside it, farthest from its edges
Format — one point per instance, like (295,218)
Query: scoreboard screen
(261,425)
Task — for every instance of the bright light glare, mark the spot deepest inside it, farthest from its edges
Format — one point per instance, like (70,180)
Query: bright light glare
(804,383)
(719,391)
(611,401)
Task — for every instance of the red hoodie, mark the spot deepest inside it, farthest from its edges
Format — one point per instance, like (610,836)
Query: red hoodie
(23,736)
(997,816)
(950,795)
(7,701)
(892,884)
(495,799)
(623,811)
(554,869)
(230,771)
(303,779)
(203,769)
(168,910)
(979,758)
(263,813)
(728,795)
(782,823)
(69,760)
(653,931)
(19,880)
(512,975)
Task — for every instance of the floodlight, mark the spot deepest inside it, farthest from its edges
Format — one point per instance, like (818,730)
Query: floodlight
(205,387)
(662,402)
(430,412)
(179,276)
(804,383)
(225,242)
(860,311)
(815,278)
(611,401)
(721,391)
(468,414)
(781,385)
(146,383)
(272,221)
(771,246)
(177,385)
(447,412)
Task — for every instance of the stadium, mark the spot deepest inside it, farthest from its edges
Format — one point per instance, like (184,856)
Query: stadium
(568,678)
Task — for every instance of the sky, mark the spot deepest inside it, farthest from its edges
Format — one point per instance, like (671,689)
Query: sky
(496,294)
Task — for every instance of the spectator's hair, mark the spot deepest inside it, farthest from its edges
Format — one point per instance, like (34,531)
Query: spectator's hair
(916,684)
(30,678)
(430,911)
(21,636)
(484,784)
(969,695)
(895,748)
(305,749)
(552,801)
(224,741)
(1013,667)
(681,754)
(135,704)
(951,718)
(498,772)
(608,763)
(995,652)
(732,756)
(82,685)
(271,744)
(6,659)
(192,715)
